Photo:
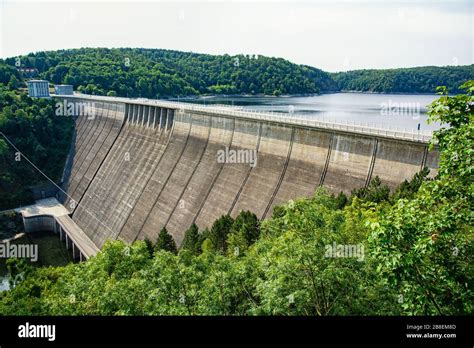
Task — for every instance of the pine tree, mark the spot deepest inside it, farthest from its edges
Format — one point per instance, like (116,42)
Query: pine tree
(219,231)
(192,240)
(341,200)
(149,246)
(247,224)
(244,232)
(165,241)
(375,192)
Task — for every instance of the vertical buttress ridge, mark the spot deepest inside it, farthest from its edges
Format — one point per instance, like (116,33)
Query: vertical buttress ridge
(372,163)
(282,175)
(326,164)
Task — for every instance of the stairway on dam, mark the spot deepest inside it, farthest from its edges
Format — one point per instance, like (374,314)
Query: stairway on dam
(137,166)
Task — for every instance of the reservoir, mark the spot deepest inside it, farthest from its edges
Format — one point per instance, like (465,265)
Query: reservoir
(402,111)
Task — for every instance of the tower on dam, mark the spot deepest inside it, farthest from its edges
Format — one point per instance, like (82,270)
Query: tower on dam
(137,166)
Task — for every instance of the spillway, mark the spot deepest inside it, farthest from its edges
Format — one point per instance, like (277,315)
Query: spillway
(136,166)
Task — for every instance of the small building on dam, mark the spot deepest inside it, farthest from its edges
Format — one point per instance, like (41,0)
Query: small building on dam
(38,89)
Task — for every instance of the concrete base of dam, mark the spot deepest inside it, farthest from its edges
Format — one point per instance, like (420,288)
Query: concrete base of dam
(136,167)
(49,215)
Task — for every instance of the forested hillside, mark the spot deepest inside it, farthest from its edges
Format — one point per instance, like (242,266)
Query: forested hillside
(157,73)
(409,80)
(31,125)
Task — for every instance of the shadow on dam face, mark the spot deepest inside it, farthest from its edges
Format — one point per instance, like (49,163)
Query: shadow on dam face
(136,168)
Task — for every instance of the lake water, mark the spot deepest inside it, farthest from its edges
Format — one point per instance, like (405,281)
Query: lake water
(402,111)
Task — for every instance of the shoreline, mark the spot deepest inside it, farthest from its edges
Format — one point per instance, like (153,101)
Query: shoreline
(204,97)
(382,93)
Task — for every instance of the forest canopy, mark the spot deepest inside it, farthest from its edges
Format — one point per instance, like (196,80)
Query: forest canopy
(157,73)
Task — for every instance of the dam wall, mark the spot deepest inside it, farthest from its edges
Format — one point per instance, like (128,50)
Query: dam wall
(137,166)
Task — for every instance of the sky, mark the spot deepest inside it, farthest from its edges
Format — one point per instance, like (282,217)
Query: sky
(330,35)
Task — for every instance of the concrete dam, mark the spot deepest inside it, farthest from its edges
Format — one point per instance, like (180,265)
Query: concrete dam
(136,165)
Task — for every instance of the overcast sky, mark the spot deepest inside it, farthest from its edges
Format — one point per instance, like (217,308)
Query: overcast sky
(331,35)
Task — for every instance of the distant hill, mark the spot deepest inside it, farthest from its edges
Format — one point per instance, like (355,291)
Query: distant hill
(406,80)
(158,73)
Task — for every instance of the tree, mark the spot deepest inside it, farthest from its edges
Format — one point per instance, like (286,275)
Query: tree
(424,245)
(149,246)
(13,83)
(375,192)
(207,246)
(244,232)
(192,240)
(165,241)
(219,231)
(341,200)
(301,274)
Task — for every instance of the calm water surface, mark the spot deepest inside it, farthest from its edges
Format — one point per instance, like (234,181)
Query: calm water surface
(386,110)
